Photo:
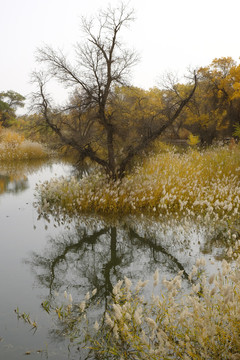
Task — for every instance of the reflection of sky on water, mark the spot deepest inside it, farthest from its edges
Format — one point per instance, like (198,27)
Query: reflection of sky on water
(18,237)
(38,258)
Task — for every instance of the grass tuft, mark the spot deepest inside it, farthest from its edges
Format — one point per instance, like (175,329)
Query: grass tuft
(14,147)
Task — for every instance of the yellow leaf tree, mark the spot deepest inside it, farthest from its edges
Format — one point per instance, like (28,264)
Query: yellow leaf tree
(215,109)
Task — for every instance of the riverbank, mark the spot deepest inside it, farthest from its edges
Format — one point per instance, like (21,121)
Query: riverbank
(200,185)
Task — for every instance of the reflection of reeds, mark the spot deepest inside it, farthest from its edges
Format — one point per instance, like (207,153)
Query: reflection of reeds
(14,147)
(13,183)
(169,323)
(16,169)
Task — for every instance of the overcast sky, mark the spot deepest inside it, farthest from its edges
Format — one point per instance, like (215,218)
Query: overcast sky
(169,35)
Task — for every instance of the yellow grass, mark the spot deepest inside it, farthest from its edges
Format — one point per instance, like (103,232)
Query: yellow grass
(172,323)
(198,184)
(14,147)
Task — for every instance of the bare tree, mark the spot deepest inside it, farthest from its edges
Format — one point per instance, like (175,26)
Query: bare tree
(88,123)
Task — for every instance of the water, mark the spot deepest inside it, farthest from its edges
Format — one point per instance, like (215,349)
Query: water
(39,258)
(21,233)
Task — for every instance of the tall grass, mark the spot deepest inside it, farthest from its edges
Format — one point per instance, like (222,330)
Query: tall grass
(14,146)
(203,185)
(203,323)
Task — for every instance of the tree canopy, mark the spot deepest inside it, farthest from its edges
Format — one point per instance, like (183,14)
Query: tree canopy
(105,119)
(215,108)
(9,102)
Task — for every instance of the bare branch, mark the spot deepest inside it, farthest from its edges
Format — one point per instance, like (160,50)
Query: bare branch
(90,123)
(133,151)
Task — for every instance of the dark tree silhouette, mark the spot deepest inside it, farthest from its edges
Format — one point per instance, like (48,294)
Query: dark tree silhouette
(88,123)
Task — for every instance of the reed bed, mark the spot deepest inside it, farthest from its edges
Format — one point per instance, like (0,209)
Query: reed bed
(202,323)
(14,147)
(199,185)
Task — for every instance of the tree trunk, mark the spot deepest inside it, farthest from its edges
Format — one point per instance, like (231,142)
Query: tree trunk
(111,154)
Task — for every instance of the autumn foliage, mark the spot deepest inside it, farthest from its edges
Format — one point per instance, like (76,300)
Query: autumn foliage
(13,146)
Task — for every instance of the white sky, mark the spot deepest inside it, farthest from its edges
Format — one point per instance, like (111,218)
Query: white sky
(169,35)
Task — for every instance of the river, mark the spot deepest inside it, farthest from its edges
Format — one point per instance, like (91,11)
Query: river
(39,258)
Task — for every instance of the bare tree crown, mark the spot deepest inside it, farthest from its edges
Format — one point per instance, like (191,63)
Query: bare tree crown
(91,123)
(101,61)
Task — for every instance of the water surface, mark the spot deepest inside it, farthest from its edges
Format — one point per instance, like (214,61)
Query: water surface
(39,259)
(21,233)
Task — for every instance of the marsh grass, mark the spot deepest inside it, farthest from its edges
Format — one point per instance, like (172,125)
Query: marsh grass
(197,185)
(202,323)
(14,147)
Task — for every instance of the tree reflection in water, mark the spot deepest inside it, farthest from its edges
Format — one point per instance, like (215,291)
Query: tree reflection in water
(95,254)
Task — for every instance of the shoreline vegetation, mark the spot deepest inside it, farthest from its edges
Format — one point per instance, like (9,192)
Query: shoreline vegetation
(14,147)
(201,185)
(202,323)
(172,323)
(116,126)
(194,185)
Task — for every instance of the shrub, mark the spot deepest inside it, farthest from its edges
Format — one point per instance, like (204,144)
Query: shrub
(237,131)
(193,140)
